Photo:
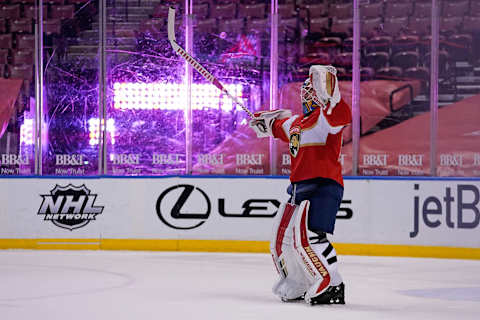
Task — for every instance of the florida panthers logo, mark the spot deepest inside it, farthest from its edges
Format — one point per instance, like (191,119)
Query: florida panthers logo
(294,144)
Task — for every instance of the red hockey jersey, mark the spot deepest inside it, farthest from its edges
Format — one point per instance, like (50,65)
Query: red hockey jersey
(315,142)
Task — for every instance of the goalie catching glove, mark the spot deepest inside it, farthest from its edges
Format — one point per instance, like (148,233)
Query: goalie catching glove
(263,122)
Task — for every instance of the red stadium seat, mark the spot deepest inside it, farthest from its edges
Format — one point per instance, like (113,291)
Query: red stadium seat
(341,10)
(319,25)
(25,41)
(450,24)
(316,58)
(52,26)
(370,27)
(10,12)
(31,13)
(311,11)
(286,10)
(379,43)
(471,24)
(371,10)
(377,60)
(3,25)
(422,9)
(420,26)
(347,44)
(22,56)
(3,56)
(232,26)
(24,72)
(6,41)
(405,59)
(367,73)
(201,11)
(258,25)
(459,46)
(206,26)
(342,27)
(344,60)
(457,8)
(395,9)
(21,25)
(394,26)
(224,11)
(407,42)
(23,1)
(389,72)
(152,26)
(475,8)
(63,12)
(251,10)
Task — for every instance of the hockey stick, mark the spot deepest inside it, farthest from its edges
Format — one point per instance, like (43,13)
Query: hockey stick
(207,75)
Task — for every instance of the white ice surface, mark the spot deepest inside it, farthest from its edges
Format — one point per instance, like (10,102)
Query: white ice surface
(90,285)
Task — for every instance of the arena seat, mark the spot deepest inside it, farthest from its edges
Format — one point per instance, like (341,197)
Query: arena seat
(390,72)
(419,25)
(422,9)
(394,25)
(3,25)
(224,11)
(31,13)
(10,11)
(395,9)
(4,56)
(63,12)
(206,26)
(471,24)
(231,26)
(370,27)
(319,25)
(23,25)
(6,40)
(286,10)
(377,60)
(341,11)
(379,43)
(22,56)
(252,10)
(450,24)
(457,8)
(371,10)
(406,42)
(201,11)
(25,41)
(24,72)
(312,11)
(405,59)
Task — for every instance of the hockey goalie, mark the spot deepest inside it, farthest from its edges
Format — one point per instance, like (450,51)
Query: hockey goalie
(304,257)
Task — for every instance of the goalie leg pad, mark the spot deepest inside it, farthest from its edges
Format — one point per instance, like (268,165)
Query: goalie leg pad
(318,258)
(292,283)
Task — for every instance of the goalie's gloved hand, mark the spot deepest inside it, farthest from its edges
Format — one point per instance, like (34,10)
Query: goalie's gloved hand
(262,124)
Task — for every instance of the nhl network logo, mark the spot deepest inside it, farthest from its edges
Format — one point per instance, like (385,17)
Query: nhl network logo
(69,207)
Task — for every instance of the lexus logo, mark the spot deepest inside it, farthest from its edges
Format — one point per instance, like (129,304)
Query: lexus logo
(180,211)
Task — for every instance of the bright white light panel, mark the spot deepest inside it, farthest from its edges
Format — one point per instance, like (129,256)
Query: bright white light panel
(172,96)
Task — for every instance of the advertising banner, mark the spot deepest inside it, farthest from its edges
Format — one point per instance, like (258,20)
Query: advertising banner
(400,212)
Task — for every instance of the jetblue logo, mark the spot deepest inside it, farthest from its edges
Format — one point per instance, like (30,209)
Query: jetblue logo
(456,208)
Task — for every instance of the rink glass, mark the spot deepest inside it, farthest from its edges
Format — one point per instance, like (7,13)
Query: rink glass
(109,95)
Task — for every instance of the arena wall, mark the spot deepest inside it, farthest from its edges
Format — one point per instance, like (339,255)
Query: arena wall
(389,216)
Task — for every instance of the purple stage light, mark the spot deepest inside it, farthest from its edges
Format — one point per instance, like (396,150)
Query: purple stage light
(94,131)
(171,96)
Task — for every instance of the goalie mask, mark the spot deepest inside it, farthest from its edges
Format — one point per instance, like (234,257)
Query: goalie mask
(320,89)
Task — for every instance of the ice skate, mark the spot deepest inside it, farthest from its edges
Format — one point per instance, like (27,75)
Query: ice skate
(333,295)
